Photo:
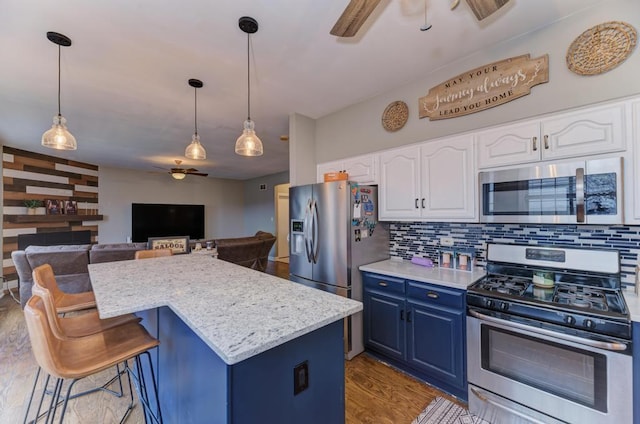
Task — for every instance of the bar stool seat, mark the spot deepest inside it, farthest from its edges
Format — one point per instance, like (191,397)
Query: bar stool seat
(65,302)
(65,327)
(153,253)
(76,358)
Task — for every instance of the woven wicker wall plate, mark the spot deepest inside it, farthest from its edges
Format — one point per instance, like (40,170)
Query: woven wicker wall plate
(601,48)
(395,116)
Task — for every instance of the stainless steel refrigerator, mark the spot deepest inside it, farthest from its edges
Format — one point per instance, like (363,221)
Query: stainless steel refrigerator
(334,229)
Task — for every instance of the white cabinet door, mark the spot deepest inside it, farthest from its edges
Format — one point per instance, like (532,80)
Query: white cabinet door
(448,179)
(323,168)
(362,169)
(509,144)
(593,131)
(399,184)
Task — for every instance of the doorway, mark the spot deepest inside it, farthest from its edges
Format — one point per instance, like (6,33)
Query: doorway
(282,222)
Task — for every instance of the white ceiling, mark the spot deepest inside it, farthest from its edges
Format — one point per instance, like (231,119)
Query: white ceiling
(124,79)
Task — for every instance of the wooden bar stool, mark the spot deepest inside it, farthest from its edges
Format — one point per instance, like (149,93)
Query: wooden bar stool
(66,302)
(153,253)
(76,358)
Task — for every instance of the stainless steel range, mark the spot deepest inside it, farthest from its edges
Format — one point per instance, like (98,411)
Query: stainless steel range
(549,337)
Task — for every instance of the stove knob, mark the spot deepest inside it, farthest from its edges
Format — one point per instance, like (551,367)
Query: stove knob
(569,320)
(589,324)
(489,303)
(504,306)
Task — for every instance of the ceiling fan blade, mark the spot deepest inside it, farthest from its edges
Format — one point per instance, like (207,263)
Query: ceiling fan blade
(174,170)
(355,14)
(189,170)
(200,174)
(484,8)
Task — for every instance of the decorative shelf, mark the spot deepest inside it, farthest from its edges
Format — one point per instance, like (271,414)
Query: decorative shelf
(19,219)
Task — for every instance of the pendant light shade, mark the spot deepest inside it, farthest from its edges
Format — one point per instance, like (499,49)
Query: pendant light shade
(248,144)
(59,137)
(194,150)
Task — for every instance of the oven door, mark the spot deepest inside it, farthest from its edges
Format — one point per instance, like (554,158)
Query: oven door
(528,376)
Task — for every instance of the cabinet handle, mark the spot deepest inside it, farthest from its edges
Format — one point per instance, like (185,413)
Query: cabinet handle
(401,315)
(382,284)
(546,142)
(433,295)
(535,144)
(416,203)
(408,316)
(423,203)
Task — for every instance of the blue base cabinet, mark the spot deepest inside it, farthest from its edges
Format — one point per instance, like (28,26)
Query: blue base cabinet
(196,386)
(419,328)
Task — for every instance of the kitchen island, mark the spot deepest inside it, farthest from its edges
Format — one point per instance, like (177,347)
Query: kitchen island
(237,345)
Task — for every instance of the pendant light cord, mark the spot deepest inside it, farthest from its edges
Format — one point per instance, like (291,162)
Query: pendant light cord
(195,109)
(248,83)
(59,114)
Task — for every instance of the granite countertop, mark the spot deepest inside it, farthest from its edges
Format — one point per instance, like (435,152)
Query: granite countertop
(238,312)
(442,276)
(633,303)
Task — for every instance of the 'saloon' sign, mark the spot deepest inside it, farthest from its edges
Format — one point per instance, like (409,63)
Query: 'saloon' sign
(484,87)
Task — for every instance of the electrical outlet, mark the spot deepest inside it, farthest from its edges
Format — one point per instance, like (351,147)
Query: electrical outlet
(446,241)
(300,377)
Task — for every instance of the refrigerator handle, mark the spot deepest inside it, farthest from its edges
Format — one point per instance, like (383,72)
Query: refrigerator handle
(314,239)
(307,226)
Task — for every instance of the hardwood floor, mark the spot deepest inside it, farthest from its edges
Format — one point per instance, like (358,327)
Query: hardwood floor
(374,392)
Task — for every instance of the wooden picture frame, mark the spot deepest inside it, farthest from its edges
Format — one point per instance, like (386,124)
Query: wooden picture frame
(178,245)
(54,207)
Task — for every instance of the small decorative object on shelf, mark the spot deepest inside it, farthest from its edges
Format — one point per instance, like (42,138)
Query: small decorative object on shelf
(32,205)
(71,207)
(53,207)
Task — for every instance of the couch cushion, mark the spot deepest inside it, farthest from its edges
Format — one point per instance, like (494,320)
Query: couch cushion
(74,283)
(67,259)
(111,252)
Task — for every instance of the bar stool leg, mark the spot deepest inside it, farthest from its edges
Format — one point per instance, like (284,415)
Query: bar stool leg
(141,387)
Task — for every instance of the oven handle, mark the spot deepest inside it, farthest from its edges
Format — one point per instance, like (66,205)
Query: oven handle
(615,346)
(503,407)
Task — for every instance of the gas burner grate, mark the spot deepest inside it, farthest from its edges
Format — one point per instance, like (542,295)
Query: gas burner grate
(505,284)
(581,297)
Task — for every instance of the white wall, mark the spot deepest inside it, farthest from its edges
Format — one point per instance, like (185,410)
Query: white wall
(357,129)
(259,205)
(302,145)
(222,199)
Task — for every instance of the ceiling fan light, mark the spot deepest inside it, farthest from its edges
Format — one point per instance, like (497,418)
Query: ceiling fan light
(249,144)
(178,175)
(58,136)
(195,150)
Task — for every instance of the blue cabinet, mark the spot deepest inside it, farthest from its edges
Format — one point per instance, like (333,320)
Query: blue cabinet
(419,328)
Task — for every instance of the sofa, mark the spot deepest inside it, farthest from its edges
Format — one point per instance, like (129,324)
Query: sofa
(69,263)
(251,252)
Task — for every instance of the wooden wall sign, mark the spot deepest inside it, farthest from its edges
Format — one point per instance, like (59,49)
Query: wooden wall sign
(484,87)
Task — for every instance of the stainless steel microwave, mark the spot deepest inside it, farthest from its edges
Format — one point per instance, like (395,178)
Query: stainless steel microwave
(584,192)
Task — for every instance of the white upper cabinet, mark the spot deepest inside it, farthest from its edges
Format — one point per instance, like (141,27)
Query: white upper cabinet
(579,133)
(448,179)
(432,181)
(361,169)
(399,189)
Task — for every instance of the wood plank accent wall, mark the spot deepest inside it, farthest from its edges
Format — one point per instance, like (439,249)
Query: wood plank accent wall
(28,175)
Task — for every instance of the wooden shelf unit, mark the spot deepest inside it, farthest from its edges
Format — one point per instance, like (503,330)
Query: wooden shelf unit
(19,219)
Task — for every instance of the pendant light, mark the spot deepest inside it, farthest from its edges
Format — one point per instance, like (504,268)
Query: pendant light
(195,150)
(59,137)
(248,144)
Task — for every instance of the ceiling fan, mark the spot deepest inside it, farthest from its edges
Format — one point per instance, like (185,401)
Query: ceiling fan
(179,173)
(357,12)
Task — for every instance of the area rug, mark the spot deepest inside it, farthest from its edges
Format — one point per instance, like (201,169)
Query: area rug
(443,411)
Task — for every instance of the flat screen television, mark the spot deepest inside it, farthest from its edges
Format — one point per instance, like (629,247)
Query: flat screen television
(164,220)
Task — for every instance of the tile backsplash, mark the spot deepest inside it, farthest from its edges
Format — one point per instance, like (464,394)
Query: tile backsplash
(408,239)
